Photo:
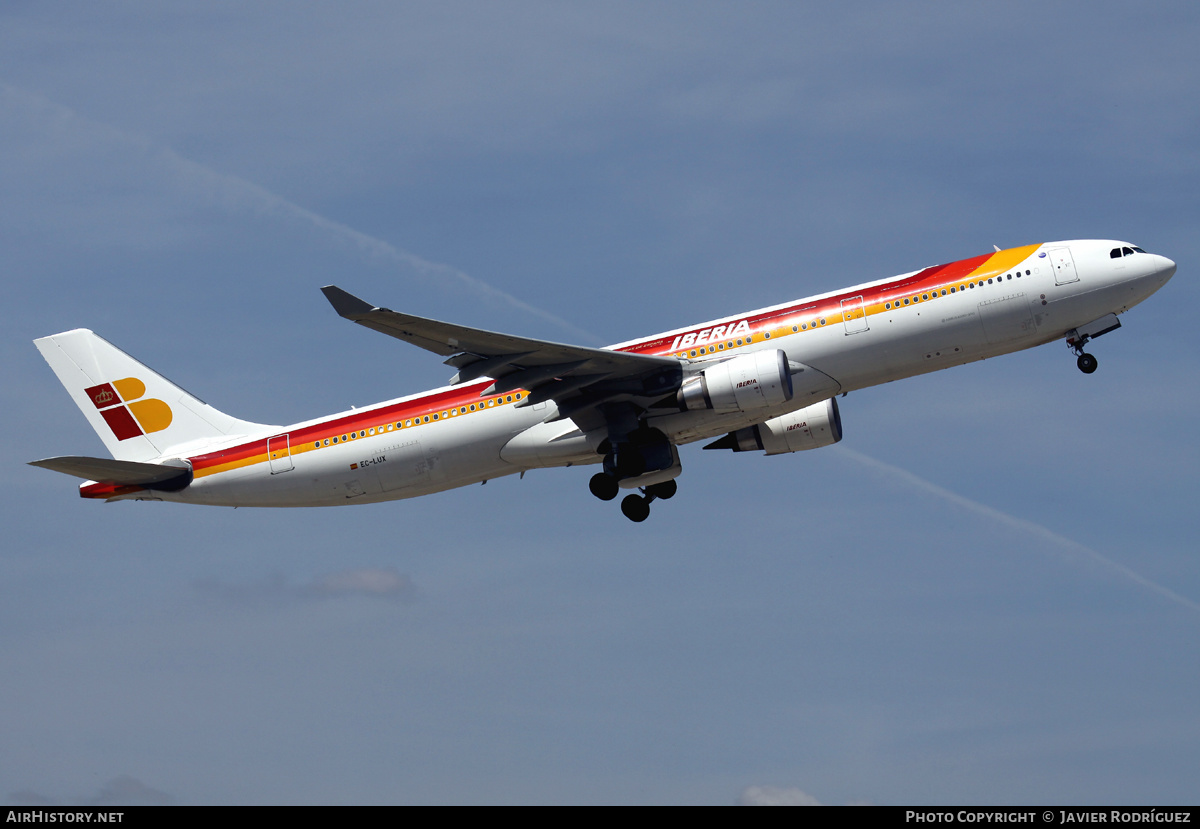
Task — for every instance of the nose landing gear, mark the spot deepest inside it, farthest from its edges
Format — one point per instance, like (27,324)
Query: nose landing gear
(1086,362)
(1077,338)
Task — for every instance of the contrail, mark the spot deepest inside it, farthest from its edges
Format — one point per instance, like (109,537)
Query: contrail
(239,194)
(1019,524)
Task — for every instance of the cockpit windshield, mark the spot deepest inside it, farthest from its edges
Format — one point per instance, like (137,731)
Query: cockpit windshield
(1117,253)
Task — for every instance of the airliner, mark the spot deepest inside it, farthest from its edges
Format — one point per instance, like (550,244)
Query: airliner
(761,381)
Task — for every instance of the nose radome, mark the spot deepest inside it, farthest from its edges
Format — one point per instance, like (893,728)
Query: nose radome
(1166,267)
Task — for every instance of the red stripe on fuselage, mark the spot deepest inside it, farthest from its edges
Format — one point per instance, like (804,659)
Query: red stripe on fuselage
(435,402)
(350,422)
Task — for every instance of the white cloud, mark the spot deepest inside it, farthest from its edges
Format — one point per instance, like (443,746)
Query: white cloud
(774,796)
(372,582)
(120,791)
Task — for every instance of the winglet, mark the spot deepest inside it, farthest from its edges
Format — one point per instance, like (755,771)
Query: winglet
(346,304)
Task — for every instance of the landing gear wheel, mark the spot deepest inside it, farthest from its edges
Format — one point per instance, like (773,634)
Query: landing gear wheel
(1087,363)
(636,508)
(604,486)
(665,490)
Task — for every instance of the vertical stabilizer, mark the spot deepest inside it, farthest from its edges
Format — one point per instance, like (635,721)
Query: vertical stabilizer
(139,414)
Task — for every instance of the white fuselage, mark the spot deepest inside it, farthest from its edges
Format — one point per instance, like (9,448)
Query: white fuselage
(858,337)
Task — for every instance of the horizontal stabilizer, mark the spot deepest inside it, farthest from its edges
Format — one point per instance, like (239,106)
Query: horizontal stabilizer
(166,476)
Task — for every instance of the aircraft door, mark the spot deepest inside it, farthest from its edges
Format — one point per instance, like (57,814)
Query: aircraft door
(279,453)
(1064,266)
(853,315)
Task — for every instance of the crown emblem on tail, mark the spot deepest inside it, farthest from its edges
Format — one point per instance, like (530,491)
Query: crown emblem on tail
(134,416)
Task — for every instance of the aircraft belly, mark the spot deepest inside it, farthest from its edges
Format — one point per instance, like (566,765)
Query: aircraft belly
(906,342)
(1007,318)
(304,484)
(471,452)
(453,453)
(560,443)
(1077,308)
(408,463)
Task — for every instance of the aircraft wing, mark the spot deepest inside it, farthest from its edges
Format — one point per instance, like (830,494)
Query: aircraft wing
(575,377)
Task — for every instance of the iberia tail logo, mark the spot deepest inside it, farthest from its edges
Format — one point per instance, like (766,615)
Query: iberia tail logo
(124,411)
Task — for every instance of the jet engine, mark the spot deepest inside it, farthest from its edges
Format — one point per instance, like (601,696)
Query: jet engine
(744,384)
(809,428)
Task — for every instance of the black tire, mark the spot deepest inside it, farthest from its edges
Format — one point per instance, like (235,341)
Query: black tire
(604,486)
(665,490)
(636,508)
(1087,363)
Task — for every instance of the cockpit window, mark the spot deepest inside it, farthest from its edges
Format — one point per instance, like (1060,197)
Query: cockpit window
(1139,250)
(1127,251)
(1115,253)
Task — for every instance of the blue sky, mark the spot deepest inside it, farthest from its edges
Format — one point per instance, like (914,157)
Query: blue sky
(987,593)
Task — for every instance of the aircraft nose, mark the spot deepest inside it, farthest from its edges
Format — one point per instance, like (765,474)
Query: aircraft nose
(1166,268)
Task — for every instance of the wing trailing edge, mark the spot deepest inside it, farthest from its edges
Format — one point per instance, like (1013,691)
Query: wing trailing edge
(577,378)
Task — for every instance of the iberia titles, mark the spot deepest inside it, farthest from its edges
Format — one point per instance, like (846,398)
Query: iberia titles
(713,334)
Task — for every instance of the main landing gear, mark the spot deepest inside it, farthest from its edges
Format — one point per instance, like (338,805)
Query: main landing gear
(635,507)
(649,455)
(604,486)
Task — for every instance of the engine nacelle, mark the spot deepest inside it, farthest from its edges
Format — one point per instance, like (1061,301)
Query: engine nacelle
(744,384)
(809,428)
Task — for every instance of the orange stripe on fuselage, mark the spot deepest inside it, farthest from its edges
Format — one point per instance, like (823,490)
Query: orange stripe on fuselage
(828,310)
(778,322)
(304,438)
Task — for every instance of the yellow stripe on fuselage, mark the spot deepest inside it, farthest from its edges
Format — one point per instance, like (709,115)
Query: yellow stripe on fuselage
(1003,261)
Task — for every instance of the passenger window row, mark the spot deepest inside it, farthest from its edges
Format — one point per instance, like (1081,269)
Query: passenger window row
(968,286)
(417,421)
